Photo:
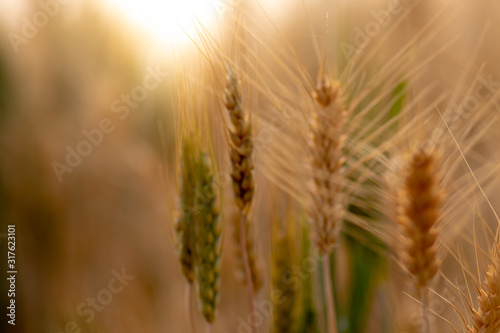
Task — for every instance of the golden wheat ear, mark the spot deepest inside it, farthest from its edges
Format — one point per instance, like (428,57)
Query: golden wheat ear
(241,151)
(326,210)
(418,200)
(241,146)
(486,318)
(418,217)
(326,164)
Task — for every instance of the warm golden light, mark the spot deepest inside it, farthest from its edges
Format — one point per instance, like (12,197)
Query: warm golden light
(170,21)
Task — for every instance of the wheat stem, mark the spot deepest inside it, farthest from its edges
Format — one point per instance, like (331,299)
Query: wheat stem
(189,317)
(327,282)
(248,273)
(427,328)
(252,258)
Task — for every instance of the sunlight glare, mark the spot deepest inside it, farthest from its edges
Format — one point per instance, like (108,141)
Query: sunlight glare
(170,21)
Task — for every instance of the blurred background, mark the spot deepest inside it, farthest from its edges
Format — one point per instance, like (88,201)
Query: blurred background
(85,213)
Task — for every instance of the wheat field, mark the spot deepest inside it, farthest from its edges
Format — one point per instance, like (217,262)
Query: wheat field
(250,166)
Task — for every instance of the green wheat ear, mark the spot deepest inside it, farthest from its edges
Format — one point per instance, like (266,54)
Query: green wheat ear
(184,224)
(207,234)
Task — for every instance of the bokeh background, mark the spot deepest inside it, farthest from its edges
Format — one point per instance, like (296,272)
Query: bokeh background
(110,212)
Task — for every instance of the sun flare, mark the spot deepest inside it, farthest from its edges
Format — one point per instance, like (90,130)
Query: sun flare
(170,21)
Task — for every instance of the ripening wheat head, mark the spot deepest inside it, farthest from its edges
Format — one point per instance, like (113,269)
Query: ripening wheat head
(418,214)
(320,141)
(434,171)
(241,146)
(326,163)
(486,318)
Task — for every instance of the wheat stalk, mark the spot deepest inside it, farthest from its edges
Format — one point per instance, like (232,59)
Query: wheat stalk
(255,269)
(326,210)
(241,149)
(418,214)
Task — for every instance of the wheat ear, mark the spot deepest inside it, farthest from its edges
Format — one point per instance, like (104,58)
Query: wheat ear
(185,219)
(241,146)
(184,225)
(207,234)
(327,162)
(241,150)
(326,211)
(487,316)
(418,217)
